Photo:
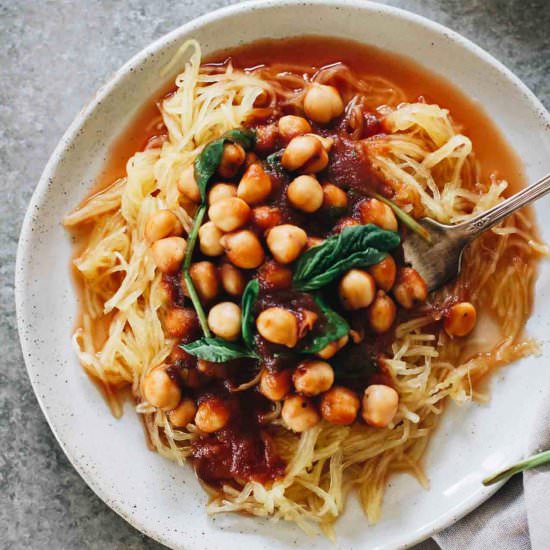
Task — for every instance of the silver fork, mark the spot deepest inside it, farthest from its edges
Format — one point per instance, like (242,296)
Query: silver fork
(439,260)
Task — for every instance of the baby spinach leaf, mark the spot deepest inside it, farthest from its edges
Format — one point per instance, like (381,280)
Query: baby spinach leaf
(360,245)
(208,160)
(217,350)
(243,136)
(250,295)
(335,326)
(207,163)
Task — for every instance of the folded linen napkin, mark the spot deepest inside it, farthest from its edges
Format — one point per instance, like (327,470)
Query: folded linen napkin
(518,516)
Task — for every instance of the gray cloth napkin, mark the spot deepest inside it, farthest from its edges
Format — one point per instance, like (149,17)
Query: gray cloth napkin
(515,518)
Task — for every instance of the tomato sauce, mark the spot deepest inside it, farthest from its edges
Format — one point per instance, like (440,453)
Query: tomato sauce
(243,450)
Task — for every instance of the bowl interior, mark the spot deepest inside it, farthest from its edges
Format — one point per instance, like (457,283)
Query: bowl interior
(164,500)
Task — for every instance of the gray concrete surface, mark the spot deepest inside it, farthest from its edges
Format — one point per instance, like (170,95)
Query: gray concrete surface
(53,55)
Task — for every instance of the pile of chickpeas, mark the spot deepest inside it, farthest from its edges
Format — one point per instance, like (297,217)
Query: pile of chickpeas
(308,391)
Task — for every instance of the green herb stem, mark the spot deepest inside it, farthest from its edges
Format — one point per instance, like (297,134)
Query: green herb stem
(196,303)
(408,220)
(193,234)
(527,464)
(191,242)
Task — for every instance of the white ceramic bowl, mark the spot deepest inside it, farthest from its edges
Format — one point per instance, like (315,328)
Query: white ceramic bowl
(164,500)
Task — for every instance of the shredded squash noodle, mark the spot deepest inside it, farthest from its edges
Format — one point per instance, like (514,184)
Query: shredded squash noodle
(431,170)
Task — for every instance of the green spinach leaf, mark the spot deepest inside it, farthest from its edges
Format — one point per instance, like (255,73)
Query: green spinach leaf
(250,295)
(208,160)
(335,327)
(361,245)
(243,136)
(217,350)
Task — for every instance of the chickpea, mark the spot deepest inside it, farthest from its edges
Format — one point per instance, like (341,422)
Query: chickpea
(410,288)
(278,326)
(356,289)
(243,249)
(286,242)
(224,320)
(299,413)
(251,158)
(275,276)
(187,184)
(378,213)
(381,313)
(229,214)
(330,350)
(334,197)
(266,138)
(183,414)
(191,378)
(323,103)
(165,292)
(313,377)
(266,217)
(460,320)
(180,322)
(221,191)
(343,223)
(305,193)
(212,370)
(384,273)
(300,151)
(178,355)
(209,239)
(306,321)
(233,280)
(160,390)
(316,163)
(326,142)
(233,157)
(275,385)
(291,126)
(212,415)
(380,404)
(163,223)
(339,406)
(255,185)
(168,253)
(205,279)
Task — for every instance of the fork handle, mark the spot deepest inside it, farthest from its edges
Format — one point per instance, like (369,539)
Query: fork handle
(480,223)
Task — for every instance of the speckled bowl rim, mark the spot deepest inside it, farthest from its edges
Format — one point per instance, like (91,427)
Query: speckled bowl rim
(77,125)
